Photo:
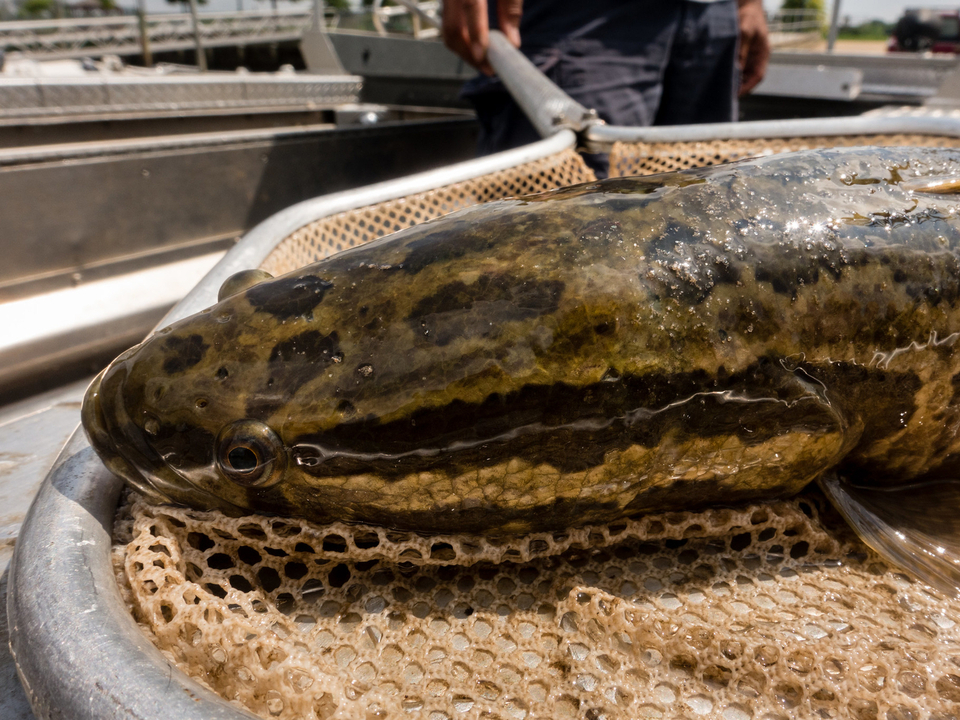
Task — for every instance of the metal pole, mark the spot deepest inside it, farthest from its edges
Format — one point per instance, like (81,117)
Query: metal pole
(144,35)
(834,23)
(546,106)
(318,19)
(201,55)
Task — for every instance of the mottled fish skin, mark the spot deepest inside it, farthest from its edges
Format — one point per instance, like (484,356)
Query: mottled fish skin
(633,345)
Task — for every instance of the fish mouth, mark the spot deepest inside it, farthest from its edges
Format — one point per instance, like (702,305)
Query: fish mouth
(104,420)
(97,428)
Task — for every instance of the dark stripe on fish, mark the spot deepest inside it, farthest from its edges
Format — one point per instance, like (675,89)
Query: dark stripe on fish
(573,428)
(293,363)
(530,296)
(458,310)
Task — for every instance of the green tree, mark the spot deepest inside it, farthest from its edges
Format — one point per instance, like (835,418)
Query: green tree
(36,9)
(871,30)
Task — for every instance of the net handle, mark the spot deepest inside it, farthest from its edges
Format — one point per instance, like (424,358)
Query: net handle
(548,107)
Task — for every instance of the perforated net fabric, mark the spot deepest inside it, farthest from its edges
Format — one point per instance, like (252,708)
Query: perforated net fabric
(647,158)
(763,612)
(354,227)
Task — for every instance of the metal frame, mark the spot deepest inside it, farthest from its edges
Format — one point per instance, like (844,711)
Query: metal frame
(600,138)
(420,13)
(120,35)
(78,651)
(59,97)
(546,105)
(548,108)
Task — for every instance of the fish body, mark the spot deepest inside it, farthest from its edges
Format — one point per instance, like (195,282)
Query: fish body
(627,346)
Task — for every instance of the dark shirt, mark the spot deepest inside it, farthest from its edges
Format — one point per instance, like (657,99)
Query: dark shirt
(615,22)
(636,62)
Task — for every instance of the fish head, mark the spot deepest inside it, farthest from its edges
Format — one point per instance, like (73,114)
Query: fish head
(171,417)
(308,394)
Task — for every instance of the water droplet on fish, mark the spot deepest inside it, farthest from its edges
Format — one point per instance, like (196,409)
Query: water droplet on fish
(337,357)
(151,426)
(224,317)
(365,370)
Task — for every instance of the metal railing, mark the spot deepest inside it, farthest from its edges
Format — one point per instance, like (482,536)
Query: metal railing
(81,37)
(796,21)
(121,35)
(113,94)
(792,28)
(420,14)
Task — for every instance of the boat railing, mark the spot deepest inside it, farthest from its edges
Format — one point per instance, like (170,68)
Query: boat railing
(80,37)
(424,17)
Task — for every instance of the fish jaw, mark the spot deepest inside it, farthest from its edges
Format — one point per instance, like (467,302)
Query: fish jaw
(131,458)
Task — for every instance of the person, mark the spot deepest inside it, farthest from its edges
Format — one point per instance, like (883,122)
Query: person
(636,62)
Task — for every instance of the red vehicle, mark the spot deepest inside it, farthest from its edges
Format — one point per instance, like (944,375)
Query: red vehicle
(926,30)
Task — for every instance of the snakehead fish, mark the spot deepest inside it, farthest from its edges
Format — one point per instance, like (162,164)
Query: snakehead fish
(635,345)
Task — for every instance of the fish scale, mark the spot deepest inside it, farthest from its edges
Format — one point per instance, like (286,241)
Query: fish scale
(635,345)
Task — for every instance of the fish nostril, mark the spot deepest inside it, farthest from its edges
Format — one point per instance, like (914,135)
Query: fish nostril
(308,456)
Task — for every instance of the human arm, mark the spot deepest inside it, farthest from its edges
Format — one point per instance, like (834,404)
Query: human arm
(466,28)
(754,44)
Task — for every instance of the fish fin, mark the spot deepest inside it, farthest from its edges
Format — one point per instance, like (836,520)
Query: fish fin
(937,185)
(916,527)
(240,281)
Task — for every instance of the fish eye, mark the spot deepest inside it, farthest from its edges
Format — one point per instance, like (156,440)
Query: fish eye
(249,453)
(243,459)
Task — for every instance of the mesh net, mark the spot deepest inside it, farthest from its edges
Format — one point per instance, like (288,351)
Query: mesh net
(763,612)
(354,227)
(648,158)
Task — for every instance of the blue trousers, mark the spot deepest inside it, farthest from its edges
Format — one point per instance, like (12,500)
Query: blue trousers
(636,62)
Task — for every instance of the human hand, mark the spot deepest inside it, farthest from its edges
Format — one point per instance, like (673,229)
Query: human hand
(466,28)
(754,44)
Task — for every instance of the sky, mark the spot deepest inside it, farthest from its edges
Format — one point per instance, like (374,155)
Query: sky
(858,10)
